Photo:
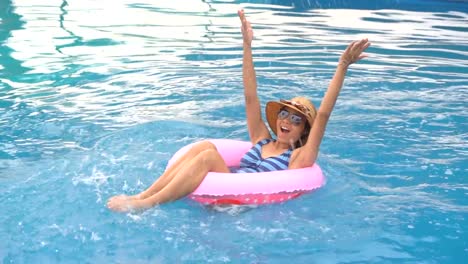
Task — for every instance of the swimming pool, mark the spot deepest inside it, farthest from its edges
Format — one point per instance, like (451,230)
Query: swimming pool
(95,97)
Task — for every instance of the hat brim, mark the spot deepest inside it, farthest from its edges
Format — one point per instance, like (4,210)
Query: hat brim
(272,109)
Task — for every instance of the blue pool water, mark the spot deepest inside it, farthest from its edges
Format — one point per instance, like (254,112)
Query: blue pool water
(95,97)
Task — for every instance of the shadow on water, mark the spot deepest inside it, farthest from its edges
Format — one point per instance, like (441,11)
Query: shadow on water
(77,39)
(10,21)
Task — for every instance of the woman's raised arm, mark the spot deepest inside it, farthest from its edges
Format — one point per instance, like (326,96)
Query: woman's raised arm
(256,126)
(307,155)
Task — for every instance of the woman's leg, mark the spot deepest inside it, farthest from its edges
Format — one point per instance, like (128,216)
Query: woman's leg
(167,176)
(183,182)
(190,176)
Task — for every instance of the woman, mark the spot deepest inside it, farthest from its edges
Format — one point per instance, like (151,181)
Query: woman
(298,127)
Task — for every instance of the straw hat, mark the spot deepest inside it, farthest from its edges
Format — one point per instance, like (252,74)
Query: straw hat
(300,104)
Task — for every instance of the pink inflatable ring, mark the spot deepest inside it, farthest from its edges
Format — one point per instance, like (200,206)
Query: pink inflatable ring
(251,188)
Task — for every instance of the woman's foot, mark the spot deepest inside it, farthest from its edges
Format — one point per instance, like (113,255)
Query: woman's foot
(124,203)
(124,196)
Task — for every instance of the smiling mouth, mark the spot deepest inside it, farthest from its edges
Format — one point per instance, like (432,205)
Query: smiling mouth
(285,129)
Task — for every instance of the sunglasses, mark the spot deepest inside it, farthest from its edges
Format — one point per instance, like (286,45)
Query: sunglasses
(295,119)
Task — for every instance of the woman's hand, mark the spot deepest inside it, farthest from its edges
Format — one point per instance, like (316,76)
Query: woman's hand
(353,52)
(246,28)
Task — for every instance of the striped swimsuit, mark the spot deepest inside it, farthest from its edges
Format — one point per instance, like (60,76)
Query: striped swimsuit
(252,161)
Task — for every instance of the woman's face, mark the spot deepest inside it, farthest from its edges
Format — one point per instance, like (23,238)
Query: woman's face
(289,125)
